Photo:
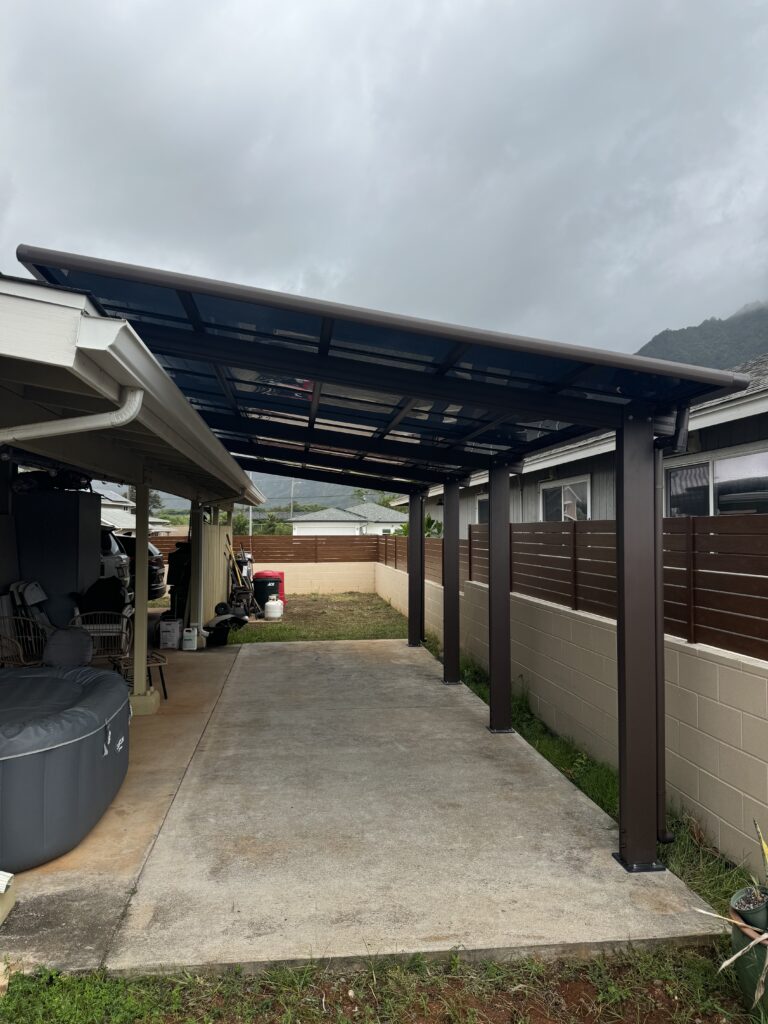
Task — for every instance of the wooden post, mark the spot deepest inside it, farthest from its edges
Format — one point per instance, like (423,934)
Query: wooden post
(574,590)
(145,700)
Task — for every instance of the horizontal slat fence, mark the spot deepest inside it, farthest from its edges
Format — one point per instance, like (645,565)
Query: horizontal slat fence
(297,549)
(433,560)
(715,569)
(715,574)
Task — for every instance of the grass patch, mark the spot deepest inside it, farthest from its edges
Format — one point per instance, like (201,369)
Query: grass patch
(675,986)
(690,856)
(352,616)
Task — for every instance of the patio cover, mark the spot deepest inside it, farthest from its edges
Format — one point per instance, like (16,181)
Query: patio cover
(313,389)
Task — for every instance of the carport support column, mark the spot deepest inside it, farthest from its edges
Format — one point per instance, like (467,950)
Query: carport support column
(196,564)
(145,700)
(637,640)
(499,583)
(451,583)
(415,570)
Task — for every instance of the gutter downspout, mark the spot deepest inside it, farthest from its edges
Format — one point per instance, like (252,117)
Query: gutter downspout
(130,407)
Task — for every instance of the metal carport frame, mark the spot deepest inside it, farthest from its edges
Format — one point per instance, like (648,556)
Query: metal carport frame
(334,393)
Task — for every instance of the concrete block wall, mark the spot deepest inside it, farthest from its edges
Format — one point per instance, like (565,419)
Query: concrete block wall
(717,703)
(324,577)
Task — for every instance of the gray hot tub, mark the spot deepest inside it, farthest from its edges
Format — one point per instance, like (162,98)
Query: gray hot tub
(63,756)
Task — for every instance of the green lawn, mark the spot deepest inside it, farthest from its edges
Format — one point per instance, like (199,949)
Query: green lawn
(328,617)
(660,987)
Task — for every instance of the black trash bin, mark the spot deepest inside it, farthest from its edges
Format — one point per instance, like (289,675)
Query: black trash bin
(265,587)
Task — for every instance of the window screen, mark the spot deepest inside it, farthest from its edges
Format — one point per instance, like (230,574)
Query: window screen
(688,490)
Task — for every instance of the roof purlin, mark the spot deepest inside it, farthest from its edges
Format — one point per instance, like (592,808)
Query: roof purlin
(375,377)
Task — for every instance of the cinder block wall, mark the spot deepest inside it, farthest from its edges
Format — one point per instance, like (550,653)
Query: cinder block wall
(324,577)
(392,585)
(717,703)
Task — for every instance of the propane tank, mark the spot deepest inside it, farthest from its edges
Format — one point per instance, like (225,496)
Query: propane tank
(273,609)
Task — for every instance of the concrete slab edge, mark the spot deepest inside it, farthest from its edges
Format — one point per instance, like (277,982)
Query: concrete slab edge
(357,962)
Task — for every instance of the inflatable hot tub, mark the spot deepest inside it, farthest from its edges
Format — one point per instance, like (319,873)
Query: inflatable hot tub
(63,757)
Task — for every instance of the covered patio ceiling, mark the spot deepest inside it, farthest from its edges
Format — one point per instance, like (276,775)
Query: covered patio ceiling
(299,387)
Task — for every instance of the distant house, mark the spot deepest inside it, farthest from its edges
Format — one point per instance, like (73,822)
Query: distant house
(725,470)
(117,512)
(367,519)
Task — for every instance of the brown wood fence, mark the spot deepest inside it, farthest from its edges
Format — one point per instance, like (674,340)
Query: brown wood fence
(394,551)
(296,549)
(715,569)
(715,573)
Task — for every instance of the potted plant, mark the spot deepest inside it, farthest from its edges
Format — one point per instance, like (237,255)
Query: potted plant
(749,935)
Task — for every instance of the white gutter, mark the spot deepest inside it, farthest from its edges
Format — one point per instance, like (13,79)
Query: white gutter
(130,407)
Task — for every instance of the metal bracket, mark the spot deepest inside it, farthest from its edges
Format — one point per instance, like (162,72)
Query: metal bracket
(637,869)
(677,443)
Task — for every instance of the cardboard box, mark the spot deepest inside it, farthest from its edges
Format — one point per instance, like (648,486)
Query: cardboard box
(170,634)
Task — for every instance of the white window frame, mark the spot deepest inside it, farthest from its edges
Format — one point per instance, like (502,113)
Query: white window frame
(710,458)
(585,478)
(478,499)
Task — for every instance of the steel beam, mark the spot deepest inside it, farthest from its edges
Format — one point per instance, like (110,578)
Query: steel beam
(451,583)
(416,570)
(324,460)
(345,372)
(499,584)
(637,644)
(338,440)
(373,483)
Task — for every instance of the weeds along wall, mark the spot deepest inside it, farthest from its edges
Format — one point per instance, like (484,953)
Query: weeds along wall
(717,702)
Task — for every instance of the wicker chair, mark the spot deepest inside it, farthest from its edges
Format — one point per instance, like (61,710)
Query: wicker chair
(111,632)
(22,640)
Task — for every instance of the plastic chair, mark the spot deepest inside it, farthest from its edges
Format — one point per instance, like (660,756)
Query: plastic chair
(110,631)
(24,640)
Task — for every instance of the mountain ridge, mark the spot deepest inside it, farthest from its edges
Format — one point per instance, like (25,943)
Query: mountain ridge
(721,344)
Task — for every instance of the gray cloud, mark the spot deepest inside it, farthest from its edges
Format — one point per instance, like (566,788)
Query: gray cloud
(591,172)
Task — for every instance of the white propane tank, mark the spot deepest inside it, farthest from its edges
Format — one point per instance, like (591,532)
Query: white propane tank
(273,609)
(189,639)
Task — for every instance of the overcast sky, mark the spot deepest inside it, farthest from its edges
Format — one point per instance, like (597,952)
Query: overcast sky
(584,170)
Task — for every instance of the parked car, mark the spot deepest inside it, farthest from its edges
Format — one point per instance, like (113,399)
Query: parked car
(156,587)
(114,559)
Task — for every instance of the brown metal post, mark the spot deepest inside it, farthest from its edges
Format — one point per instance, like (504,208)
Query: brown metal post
(451,583)
(499,658)
(415,570)
(662,835)
(637,629)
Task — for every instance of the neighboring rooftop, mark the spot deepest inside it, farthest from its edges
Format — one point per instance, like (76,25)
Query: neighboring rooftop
(374,513)
(328,515)
(110,495)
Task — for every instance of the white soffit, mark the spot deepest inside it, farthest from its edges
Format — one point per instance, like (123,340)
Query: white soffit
(59,358)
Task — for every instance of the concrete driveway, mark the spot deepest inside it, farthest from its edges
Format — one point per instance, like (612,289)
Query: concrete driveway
(343,803)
